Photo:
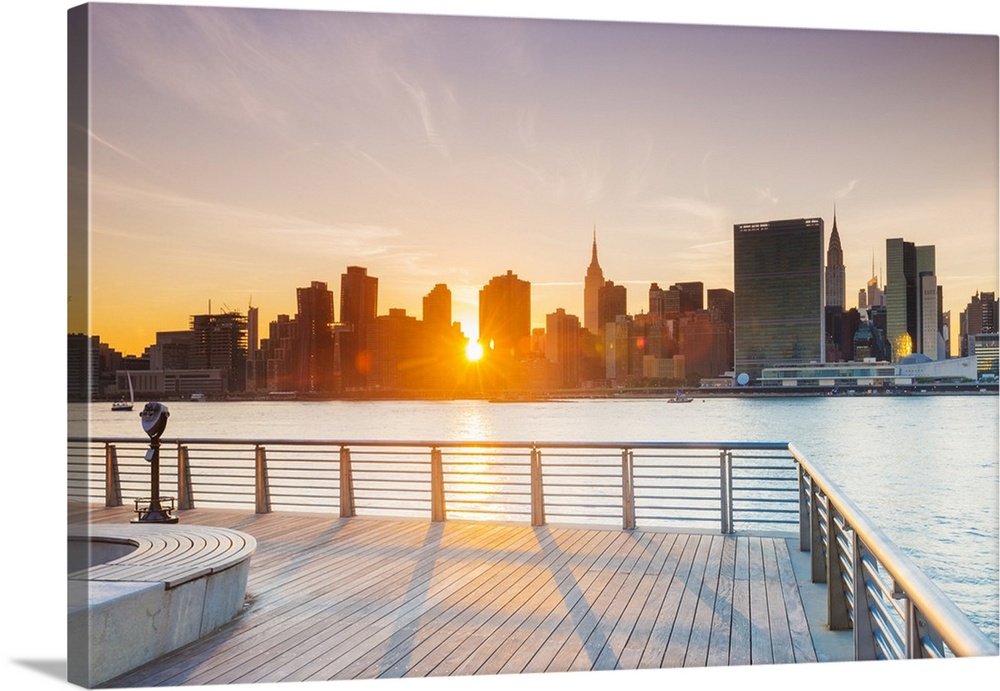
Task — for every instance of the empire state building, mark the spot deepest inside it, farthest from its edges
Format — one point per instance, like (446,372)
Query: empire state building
(591,285)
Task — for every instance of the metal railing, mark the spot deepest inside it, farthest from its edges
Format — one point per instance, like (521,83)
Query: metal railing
(873,588)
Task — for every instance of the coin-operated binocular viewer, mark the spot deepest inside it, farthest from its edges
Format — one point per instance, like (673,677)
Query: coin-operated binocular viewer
(154,421)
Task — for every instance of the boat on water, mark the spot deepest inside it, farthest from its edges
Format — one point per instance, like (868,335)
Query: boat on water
(198,396)
(125,406)
(680,397)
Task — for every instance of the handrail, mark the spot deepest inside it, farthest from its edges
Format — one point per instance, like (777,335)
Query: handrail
(955,628)
(646,481)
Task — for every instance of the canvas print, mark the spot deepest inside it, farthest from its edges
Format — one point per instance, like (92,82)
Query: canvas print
(418,346)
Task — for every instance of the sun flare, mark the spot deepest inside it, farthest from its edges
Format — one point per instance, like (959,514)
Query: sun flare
(474,351)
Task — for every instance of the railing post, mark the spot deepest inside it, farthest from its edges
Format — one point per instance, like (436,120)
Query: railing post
(804,525)
(185,493)
(838,618)
(112,480)
(537,493)
(917,630)
(816,535)
(262,488)
(726,490)
(628,490)
(864,634)
(346,484)
(438,512)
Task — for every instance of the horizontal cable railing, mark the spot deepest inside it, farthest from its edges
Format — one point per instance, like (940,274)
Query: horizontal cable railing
(873,588)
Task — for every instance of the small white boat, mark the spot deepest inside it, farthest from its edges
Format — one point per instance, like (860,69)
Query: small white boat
(680,397)
(198,396)
(125,406)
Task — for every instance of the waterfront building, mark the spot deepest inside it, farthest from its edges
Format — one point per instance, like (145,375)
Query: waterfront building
(255,371)
(437,307)
(279,353)
(702,344)
(911,298)
(612,302)
(979,317)
(315,358)
(619,350)
(669,368)
(504,326)
(657,301)
(172,350)
(691,296)
(562,348)
(720,304)
(82,367)
(986,349)
(912,369)
(835,270)
(778,296)
(358,308)
(901,296)
(505,315)
(220,342)
(869,342)
(395,343)
(592,284)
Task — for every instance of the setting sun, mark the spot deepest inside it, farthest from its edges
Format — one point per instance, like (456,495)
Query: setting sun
(474,351)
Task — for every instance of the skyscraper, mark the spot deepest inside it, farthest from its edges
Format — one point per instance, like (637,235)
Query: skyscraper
(505,315)
(835,272)
(314,317)
(913,310)
(612,301)
(778,294)
(562,347)
(437,307)
(358,305)
(592,285)
(504,327)
(220,342)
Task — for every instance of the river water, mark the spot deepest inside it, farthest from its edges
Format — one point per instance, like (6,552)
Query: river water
(924,468)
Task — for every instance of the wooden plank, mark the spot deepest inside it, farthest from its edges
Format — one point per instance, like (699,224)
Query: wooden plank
(556,608)
(656,646)
(452,644)
(607,610)
(680,634)
(497,645)
(367,624)
(477,657)
(760,638)
(739,628)
(782,650)
(610,657)
(321,595)
(585,581)
(696,653)
(722,613)
(803,647)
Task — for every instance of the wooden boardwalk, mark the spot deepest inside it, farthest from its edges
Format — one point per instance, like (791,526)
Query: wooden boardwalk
(333,598)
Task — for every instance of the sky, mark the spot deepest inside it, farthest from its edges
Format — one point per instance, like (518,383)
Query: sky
(238,154)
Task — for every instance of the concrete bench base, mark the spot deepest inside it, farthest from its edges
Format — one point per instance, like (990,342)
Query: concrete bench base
(177,584)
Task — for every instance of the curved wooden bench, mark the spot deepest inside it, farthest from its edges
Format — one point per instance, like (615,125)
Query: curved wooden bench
(165,553)
(179,583)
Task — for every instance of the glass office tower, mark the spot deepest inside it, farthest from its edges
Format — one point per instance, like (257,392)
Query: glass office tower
(779,294)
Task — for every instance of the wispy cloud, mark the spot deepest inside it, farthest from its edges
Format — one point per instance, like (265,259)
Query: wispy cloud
(419,99)
(845,190)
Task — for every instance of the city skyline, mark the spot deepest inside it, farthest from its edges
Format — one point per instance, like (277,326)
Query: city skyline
(238,153)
